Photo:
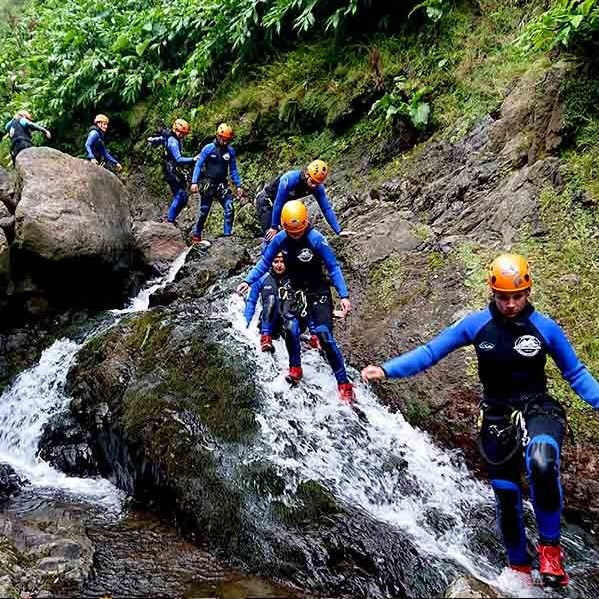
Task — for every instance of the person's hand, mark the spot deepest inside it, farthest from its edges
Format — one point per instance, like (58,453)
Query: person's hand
(373,374)
(118,166)
(345,306)
(94,161)
(239,193)
(48,134)
(196,157)
(242,288)
(270,234)
(194,188)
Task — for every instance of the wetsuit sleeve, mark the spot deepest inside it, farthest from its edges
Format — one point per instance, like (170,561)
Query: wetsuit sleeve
(34,126)
(327,210)
(270,253)
(281,198)
(197,170)
(252,300)
(417,360)
(89,143)
(107,155)
(321,244)
(233,168)
(8,125)
(173,146)
(583,383)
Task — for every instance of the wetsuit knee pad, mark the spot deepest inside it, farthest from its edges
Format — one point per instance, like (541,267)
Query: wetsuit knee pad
(324,334)
(542,465)
(292,327)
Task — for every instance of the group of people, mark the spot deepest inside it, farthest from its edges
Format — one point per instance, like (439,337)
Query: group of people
(521,427)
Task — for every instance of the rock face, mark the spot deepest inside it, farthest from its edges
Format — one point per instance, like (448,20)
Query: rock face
(72,231)
(158,243)
(10,482)
(467,587)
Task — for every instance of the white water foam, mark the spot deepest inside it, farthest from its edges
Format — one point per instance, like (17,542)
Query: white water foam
(38,393)
(310,434)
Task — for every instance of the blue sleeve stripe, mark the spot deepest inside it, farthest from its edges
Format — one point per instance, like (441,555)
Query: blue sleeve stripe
(573,370)
(457,335)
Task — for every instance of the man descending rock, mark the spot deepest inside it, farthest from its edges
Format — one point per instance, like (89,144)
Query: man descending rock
(290,186)
(171,142)
(95,148)
(267,288)
(217,161)
(521,425)
(20,128)
(307,294)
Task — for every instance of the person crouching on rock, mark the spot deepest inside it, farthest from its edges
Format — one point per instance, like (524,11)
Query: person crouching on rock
(216,162)
(520,424)
(171,141)
(267,288)
(20,128)
(95,148)
(307,294)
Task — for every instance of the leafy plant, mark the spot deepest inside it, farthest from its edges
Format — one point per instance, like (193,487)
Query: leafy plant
(404,102)
(434,9)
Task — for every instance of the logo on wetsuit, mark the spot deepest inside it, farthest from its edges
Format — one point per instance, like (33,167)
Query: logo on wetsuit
(527,345)
(486,346)
(305,255)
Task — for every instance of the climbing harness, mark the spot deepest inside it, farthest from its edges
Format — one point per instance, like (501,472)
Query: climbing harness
(502,433)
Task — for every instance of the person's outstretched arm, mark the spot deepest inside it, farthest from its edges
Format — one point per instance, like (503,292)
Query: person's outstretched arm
(327,210)
(175,151)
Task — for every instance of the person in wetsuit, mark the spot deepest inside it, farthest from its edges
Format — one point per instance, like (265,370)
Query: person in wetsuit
(267,289)
(20,128)
(217,161)
(521,425)
(95,148)
(306,298)
(172,141)
(294,185)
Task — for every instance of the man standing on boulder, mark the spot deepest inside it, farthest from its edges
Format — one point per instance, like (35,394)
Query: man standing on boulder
(217,161)
(171,141)
(19,130)
(95,148)
(307,295)
(290,186)
(521,425)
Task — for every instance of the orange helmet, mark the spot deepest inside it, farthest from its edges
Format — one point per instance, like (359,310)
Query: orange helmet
(509,272)
(317,171)
(25,114)
(225,132)
(101,118)
(294,217)
(181,126)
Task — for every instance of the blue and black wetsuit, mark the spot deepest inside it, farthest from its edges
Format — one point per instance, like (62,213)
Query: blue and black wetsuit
(175,177)
(19,133)
(95,148)
(216,163)
(267,289)
(511,365)
(306,298)
(291,186)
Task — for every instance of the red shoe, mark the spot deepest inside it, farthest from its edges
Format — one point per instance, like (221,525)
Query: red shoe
(294,375)
(266,343)
(523,569)
(196,239)
(314,343)
(551,565)
(346,392)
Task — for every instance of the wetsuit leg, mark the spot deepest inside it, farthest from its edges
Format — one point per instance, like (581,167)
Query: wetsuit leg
(270,311)
(291,331)
(17,147)
(179,202)
(264,211)
(226,202)
(546,427)
(177,184)
(320,314)
(206,199)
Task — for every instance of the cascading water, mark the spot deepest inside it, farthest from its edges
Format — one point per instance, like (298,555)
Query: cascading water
(308,433)
(38,393)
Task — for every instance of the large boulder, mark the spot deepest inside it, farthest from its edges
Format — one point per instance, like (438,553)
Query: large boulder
(73,227)
(158,244)
(6,191)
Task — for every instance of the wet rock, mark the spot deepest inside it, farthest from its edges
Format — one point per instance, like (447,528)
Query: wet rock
(6,191)
(4,263)
(88,256)
(158,244)
(468,587)
(10,482)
